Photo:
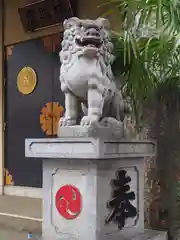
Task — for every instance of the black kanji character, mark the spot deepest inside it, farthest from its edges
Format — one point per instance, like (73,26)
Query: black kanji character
(120,205)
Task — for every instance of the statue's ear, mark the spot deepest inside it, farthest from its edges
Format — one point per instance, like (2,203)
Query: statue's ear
(104,23)
(68,23)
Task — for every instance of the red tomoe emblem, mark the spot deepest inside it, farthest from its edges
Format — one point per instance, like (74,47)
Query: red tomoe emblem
(68,201)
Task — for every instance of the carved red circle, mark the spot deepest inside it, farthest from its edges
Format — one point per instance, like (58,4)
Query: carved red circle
(68,201)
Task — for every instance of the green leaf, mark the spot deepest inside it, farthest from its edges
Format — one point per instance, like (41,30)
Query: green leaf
(147,49)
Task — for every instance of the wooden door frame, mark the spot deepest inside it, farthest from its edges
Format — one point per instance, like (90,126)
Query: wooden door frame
(2,97)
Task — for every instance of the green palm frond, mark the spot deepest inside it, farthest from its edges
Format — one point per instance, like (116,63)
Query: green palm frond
(147,49)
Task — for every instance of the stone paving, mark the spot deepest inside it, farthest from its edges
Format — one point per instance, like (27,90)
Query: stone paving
(7,234)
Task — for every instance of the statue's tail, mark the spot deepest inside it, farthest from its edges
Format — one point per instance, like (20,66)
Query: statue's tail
(84,109)
(120,106)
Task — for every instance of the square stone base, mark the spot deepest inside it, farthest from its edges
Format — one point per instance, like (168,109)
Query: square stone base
(93,181)
(77,187)
(146,235)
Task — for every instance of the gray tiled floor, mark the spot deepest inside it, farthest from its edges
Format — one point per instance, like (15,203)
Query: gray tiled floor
(6,234)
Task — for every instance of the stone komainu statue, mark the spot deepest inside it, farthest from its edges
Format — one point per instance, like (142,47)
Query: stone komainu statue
(86,76)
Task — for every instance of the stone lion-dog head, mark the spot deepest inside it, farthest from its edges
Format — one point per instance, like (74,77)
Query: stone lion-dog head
(90,38)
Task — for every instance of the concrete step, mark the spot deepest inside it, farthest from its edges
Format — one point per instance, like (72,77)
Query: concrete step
(7,234)
(21,214)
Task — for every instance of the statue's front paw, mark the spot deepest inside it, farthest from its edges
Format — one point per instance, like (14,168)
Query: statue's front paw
(89,120)
(66,121)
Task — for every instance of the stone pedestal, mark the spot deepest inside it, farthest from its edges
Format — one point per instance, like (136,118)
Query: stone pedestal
(77,185)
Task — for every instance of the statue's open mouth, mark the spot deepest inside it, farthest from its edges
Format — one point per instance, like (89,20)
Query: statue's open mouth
(89,42)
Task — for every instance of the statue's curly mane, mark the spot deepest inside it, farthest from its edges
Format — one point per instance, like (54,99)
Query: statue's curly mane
(69,52)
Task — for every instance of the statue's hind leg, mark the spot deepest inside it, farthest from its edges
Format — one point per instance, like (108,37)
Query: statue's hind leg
(71,114)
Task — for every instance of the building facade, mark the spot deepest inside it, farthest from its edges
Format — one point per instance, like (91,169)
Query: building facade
(35,112)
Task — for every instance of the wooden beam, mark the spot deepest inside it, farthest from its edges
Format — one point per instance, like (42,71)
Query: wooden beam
(1,97)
